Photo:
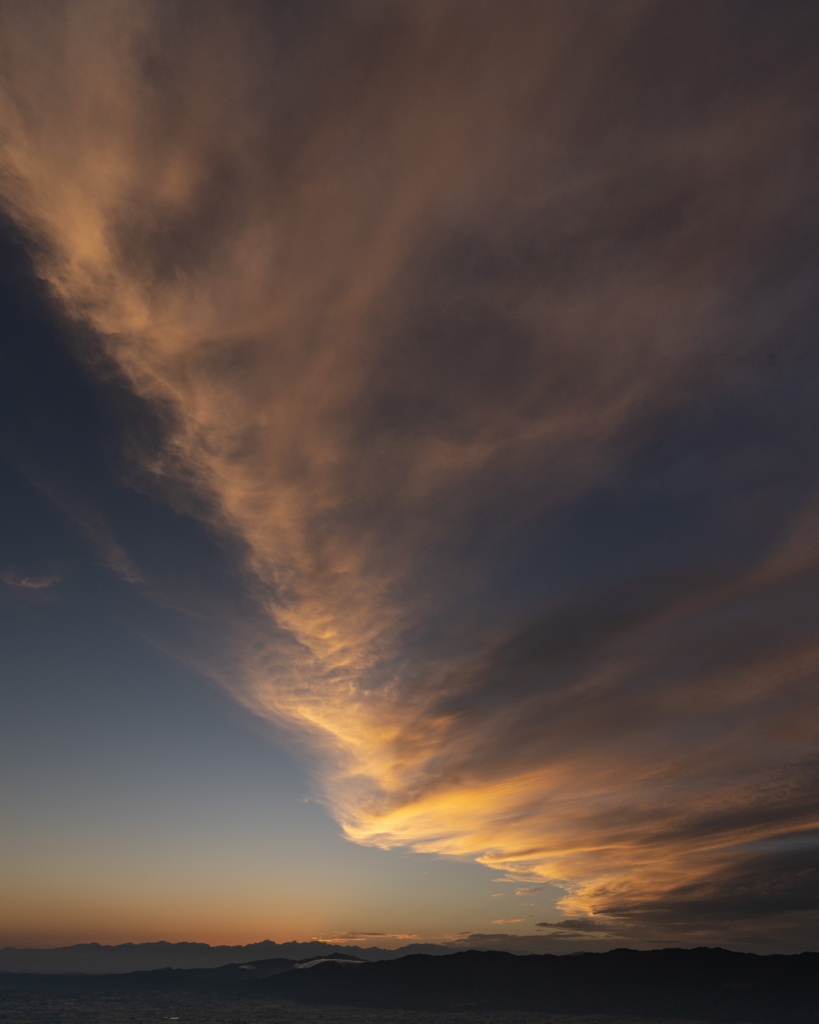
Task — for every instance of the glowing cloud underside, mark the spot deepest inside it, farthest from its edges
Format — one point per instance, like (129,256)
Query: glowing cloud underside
(398,293)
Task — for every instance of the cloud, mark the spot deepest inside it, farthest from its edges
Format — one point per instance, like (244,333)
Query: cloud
(529,891)
(358,936)
(586,924)
(95,528)
(512,920)
(556,943)
(89,520)
(15,579)
(457,319)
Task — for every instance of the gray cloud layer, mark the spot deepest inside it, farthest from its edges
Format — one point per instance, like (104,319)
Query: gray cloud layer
(486,332)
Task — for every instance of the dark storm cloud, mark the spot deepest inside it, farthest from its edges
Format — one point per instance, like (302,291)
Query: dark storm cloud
(486,333)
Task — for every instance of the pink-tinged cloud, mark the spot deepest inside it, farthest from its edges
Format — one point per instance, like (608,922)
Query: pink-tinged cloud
(406,285)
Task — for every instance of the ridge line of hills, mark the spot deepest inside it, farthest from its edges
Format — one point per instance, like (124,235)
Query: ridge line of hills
(94,958)
(706,984)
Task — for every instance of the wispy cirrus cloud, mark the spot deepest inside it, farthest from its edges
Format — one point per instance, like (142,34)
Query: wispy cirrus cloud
(579,924)
(459,320)
(12,578)
(93,524)
(353,936)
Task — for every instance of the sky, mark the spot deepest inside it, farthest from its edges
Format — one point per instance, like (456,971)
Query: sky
(409,470)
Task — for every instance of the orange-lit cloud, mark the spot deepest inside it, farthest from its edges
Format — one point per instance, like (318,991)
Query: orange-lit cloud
(403,283)
(352,936)
(579,924)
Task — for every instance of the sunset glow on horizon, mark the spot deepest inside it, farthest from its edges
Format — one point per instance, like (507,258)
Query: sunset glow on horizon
(410,449)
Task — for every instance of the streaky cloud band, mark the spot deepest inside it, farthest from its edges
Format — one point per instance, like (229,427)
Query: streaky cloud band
(411,287)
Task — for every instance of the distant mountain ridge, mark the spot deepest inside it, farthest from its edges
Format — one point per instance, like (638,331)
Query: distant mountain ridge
(704,984)
(93,958)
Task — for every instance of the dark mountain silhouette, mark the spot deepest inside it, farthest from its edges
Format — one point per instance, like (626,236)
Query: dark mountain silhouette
(710,984)
(92,958)
(714,985)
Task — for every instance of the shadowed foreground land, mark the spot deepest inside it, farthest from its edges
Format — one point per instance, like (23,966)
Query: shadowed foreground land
(709,985)
(48,1008)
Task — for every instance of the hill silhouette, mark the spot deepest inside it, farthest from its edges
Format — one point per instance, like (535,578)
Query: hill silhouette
(709,984)
(93,958)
